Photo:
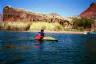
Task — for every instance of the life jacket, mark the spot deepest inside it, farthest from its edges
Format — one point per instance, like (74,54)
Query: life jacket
(40,35)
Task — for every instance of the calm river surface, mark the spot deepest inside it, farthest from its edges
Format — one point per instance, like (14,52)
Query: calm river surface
(18,48)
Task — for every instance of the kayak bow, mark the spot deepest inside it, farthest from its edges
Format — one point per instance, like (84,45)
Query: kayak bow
(49,38)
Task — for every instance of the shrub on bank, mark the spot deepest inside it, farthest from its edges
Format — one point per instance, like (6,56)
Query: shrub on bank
(82,23)
(1,25)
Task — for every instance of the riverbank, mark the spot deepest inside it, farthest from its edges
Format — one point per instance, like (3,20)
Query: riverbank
(59,32)
(36,26)
(64,32)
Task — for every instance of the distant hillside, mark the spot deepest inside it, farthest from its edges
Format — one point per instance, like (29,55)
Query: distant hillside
(90,12)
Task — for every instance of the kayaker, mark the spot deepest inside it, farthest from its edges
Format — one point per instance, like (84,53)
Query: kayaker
(40,35)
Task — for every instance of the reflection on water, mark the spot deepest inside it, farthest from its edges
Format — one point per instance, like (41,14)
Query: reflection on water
(70,49)
(38,44)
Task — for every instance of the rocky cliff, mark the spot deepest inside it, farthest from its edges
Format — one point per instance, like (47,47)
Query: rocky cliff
(16,14)
(90,12)
(1,17)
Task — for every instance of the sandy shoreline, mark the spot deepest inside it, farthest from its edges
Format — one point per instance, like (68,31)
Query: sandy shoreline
(62,32)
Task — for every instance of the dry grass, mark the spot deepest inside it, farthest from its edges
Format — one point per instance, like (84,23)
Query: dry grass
(15,25)
(46,26)
(24,26)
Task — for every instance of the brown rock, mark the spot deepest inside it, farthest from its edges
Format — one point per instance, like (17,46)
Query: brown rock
(16,14)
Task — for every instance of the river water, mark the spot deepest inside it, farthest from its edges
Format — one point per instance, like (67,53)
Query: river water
(18,48)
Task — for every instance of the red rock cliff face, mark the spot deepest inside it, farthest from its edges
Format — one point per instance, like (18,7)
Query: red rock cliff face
(15,14)
(90,12)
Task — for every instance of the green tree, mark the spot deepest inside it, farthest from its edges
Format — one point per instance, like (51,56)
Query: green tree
(82,22)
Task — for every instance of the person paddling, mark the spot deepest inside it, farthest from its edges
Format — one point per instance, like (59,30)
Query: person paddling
(40,35)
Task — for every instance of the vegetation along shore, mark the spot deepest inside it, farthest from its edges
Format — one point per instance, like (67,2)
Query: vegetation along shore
(77,25)
(15,19)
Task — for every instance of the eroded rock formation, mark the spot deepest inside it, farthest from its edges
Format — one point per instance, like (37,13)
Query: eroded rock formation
(16,14)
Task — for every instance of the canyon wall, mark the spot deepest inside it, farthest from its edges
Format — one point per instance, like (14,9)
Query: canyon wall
(17,14)
(90,12)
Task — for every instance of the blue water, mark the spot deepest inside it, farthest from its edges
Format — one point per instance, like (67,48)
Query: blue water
(18,48)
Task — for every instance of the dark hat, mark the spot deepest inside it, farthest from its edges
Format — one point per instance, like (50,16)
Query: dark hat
(42,29)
